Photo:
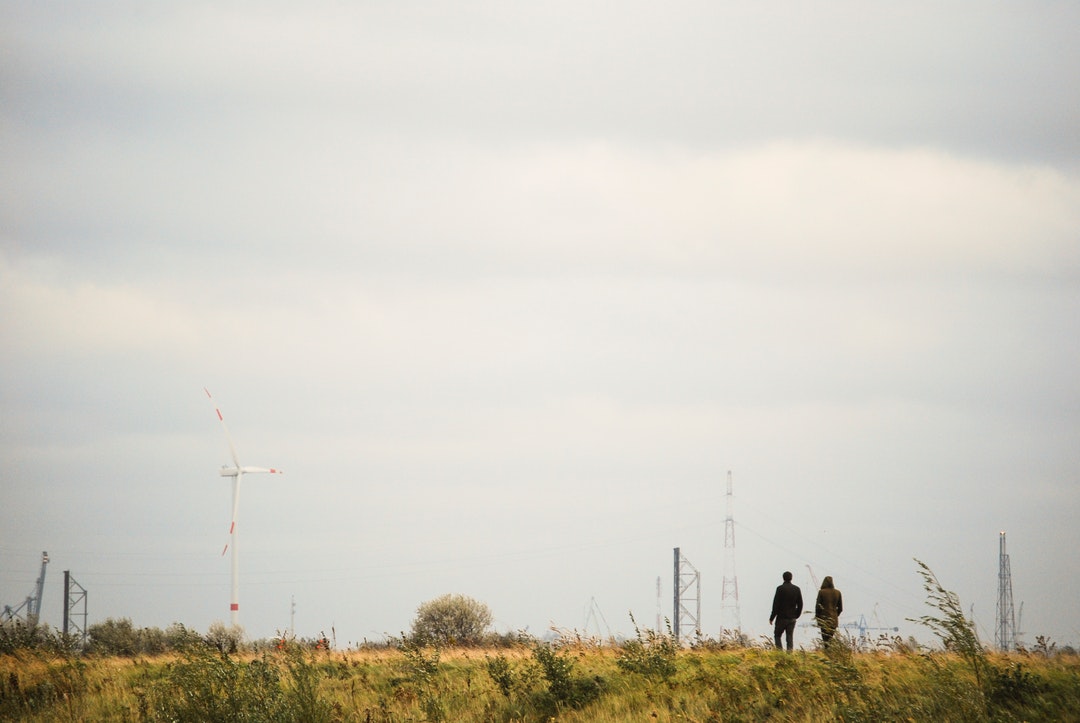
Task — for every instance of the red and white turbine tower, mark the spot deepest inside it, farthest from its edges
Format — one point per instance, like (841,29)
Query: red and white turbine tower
(236,472)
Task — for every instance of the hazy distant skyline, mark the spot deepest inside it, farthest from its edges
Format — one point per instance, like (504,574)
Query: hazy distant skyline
(507,289)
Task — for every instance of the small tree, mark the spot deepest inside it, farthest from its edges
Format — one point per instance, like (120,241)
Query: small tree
(226,639)
(113,637)
(179,638)
(451,620)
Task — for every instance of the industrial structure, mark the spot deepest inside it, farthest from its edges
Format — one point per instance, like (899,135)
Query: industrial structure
(863,628)
(74,608)
(729,595)
(29,611)
(595,616)
(687,594)
(1005,630)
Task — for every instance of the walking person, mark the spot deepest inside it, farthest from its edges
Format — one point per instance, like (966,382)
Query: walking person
(786,609)
(830,603)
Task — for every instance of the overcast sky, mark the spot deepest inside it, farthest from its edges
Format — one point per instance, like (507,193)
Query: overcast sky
(507,288)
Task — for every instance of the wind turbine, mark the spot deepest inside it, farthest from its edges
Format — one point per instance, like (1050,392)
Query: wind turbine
(237,473)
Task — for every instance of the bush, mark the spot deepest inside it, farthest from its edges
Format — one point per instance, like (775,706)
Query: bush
(564,689)
(501,673)
(113,637)
(1014,686)
(15,635)
(179,638)
(451,620)
(120,637)
(225,638)
(209,685)
(651,653)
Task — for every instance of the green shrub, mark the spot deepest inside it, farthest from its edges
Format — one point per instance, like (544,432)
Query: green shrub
(421,662)
(121,637)
(209,685)
(15,636)
(651,653)
(422,667)
(113,637)
(1012,686)
(302,697)
(179,638)
(556,666)
(500,671)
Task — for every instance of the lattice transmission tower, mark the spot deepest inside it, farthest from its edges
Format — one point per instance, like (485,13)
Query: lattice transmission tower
(687,594)
(1005,632)
(74,609)
(729,595)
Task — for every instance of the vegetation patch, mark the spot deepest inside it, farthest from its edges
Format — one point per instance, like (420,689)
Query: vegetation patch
(216,677)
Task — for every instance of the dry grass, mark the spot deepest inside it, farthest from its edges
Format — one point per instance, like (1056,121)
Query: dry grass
(456,685)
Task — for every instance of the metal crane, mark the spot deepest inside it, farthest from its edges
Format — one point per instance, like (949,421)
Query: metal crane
(32,604)
(863,628)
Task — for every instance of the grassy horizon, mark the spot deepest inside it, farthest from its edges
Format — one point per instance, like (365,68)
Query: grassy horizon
(571,680)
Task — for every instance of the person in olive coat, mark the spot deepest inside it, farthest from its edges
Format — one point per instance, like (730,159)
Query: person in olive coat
(786,608)
(830,603)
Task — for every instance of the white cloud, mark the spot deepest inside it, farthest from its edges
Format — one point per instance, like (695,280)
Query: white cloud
(473,293)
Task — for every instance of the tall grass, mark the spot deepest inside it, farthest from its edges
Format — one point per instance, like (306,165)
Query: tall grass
(570,680)
(651,677)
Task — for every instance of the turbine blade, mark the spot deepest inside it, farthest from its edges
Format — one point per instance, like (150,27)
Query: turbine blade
(224,549)
(265,470)
(221,418)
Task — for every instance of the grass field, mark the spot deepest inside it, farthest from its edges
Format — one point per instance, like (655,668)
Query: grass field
(570,680)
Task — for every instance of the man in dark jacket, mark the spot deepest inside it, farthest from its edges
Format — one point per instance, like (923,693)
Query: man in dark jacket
(786,609)
(829,605)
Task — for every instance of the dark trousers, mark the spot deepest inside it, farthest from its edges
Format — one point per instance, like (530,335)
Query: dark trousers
(785,626)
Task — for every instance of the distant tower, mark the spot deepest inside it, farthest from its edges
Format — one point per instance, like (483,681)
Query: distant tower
(1005,632)
(729,596)
(74,596)
(687,591)
(596,615)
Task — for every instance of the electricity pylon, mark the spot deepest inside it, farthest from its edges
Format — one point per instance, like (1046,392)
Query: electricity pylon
(729,595)
(1005,631)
